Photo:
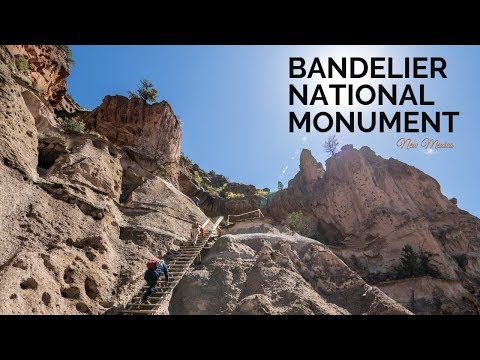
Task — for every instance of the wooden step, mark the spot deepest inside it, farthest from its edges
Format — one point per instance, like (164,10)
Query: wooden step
(180,260)
(162,284)
(143,305)
(178,266)
(139,312)
(162,288)
(158,289)
(162,297)
(181,263)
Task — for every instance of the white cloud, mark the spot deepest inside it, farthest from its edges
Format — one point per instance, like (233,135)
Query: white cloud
(284,169)
(429,152)
(304,139)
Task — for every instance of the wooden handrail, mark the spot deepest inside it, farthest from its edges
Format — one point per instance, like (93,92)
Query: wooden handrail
(260,214)
(205,223)
(219,220)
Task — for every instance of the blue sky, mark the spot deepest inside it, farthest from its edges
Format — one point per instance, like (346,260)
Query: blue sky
(233,101)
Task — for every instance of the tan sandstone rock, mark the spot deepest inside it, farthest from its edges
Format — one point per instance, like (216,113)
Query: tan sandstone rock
(153,130)
(48,69)
(367,208)
(268,270)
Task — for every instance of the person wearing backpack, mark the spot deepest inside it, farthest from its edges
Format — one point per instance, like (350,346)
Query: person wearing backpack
(155,268)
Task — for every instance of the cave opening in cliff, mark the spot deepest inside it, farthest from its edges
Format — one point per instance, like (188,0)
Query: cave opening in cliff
(327,234)
(130,181)
(48,153)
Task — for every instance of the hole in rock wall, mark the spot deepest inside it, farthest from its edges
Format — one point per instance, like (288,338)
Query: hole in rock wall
(48,153)
(29,283)
(130,181)
(91,288)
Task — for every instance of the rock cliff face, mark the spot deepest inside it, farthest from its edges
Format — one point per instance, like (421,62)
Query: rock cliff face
(48,69)
(152,130)
(82,212)
(367,209)
(261,269)
(79,215)
(217,195)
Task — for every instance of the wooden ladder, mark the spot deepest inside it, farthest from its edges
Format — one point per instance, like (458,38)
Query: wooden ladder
(177,268)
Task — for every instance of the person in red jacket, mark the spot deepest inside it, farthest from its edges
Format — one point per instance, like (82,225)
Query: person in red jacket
(151,277)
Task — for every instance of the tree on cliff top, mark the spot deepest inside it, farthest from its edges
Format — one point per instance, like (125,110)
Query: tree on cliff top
(145,91)
(330,146)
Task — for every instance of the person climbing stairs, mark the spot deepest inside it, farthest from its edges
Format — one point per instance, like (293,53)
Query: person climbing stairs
(176,269)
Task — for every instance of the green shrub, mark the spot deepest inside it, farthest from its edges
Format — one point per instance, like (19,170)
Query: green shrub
(145,91)
(68,52)
(74,125)
(280,185)
(212,173)
(40,135)
(163,171)
(261,193)
(198,178)
(214,191)
(415,265)
(294,220)
(232,195)
(21,64)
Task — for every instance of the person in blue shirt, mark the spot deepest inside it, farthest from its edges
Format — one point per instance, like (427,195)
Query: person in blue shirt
(151,277)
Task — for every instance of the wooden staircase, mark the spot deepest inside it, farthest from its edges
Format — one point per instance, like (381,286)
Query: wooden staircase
(185,257)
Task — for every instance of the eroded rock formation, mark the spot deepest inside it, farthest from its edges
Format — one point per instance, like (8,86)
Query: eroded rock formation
(260,269)
(48,69)
(79,214)
(82,212)
(367,209)
(152,130)
(217,195)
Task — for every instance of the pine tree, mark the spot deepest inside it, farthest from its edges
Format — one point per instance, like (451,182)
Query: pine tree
(425,266)
(408,263)
(414,265)
(146,91)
